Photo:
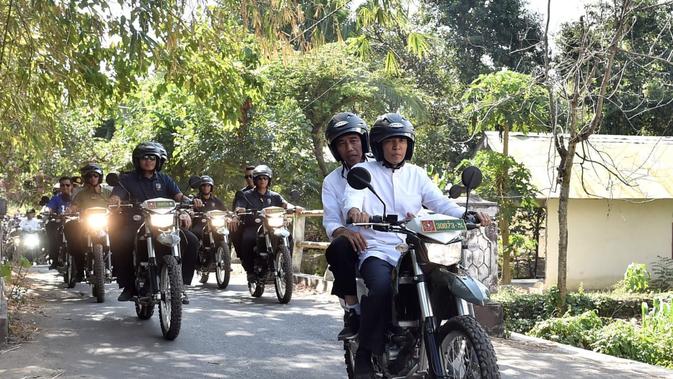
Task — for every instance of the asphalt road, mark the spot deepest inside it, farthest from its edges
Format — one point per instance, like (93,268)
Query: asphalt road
(229,334)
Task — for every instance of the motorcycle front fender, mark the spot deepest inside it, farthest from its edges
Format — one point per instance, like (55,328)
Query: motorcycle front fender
(281,233)
(462,286)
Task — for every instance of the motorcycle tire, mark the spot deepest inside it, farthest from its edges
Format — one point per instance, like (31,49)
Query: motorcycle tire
(284,280)
(479,361)
(256,288)
(170,306)
(98,273)
(222,265)
(70,275)
(350,348)
(144,312)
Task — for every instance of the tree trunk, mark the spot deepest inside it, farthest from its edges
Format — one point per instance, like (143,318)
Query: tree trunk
(563,227)
(317,139)
(504,221)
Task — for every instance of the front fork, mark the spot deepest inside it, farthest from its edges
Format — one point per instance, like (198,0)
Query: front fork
(429,323)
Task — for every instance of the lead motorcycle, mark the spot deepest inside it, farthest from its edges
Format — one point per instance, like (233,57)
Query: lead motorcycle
(158,276)
(272,258)
(433,332)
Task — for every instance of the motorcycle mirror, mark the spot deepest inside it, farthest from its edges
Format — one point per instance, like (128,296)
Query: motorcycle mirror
(43,201)
(359,178)
(471,178)
(194,181)
(455,191)
(112,179)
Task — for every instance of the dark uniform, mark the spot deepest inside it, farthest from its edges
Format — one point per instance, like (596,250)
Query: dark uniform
(236,236)
(210,204)
(134,186)
(253,200)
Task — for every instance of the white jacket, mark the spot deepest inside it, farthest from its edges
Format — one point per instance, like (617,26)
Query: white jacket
(404,190)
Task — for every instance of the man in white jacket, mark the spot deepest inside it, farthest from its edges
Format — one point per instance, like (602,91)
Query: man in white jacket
(405,188)
(347,136)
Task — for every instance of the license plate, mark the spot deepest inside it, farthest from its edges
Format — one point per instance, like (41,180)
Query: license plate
(441,226)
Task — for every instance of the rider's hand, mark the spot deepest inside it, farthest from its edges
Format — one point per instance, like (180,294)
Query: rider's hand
(198,203)
(357,216)
(114,200)
(484,219)
(185,221)
(356,239)
(233,224)
(298,210)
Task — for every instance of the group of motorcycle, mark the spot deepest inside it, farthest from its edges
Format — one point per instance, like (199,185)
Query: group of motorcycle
(158,277)
(17,243)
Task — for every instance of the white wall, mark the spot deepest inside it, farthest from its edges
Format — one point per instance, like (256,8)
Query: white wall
(605,236)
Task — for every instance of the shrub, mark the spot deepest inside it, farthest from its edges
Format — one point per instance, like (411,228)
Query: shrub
(636,278)
(578,330)
(662,274)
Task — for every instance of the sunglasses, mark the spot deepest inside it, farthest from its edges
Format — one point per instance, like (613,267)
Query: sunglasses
(262,178)
(149,157)
(65,184)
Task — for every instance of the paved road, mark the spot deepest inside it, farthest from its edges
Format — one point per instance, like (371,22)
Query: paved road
(228,334)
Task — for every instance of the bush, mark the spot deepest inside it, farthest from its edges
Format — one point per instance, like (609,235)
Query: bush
(662,274)
(636,279)
(577,331)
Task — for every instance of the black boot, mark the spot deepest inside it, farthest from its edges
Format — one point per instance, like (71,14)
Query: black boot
(351,325)
(363,365)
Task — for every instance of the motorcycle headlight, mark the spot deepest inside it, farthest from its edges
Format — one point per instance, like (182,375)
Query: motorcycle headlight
(97,221)
(217,221)
(276,221)
(161,220)
(30,241)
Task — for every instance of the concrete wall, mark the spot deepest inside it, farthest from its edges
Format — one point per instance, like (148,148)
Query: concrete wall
(605,236)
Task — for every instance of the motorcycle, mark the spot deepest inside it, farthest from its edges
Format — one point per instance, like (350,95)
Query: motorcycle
(66,261)
(158,277)
(433,332)
(272,255)
(98,258)
(214,253)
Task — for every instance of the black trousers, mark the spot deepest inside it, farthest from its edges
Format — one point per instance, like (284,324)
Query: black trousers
(76,237)
(248,242)
(377,305)
(342,260)
(53,241)
(122,239)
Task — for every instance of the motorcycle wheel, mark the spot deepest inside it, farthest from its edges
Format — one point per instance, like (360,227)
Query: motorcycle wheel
(204,277)
(144,312)
(170,306)
(256,288)
(350,348)
(70,271)
(222,265)
(467,349)
(98,273)
(284,280)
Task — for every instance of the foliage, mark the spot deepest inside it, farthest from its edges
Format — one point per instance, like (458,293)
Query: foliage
(636,278)
(572,330)
(487,36)
(662,274)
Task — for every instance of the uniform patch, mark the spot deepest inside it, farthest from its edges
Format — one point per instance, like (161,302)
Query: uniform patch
(157,186)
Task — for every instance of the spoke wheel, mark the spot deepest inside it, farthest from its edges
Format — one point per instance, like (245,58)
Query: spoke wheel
(170,305)
(70,271)
(222,265)
(98,273)
(283,275)
(467,349)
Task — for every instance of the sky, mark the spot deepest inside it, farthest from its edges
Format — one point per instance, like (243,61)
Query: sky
(561,11)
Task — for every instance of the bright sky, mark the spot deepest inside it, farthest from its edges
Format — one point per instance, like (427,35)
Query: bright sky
(561,11)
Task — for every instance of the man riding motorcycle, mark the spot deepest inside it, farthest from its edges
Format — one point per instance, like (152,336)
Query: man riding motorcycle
(405,189)
(147,182)
(257,198)
(235,232)
(58,205)
(92,194)
(347,136)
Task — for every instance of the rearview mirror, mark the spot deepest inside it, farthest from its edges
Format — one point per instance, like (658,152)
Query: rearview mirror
(194,181)
(43,201)
(471,178)
(112,179)
(359,178)
(455,191)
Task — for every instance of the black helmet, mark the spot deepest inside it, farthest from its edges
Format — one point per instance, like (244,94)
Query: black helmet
(344,123)
(262,170)
(392,125)
(149,148)
(205,179)
(89,168)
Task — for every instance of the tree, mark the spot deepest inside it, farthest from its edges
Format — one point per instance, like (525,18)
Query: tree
(506,101)
(487,36)
(582,83)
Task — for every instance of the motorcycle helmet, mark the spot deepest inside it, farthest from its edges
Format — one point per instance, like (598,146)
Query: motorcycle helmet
(262,170)
(205,179)
(391,125)
(344,123)
(149,148)
(89,168)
